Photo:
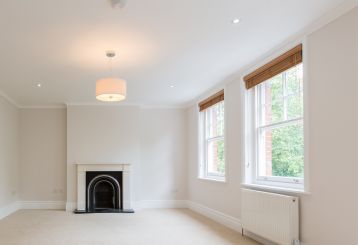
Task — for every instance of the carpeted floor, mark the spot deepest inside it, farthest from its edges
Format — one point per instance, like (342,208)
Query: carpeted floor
(148,227)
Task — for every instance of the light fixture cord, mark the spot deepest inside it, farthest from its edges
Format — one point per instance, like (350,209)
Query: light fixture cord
(110,66)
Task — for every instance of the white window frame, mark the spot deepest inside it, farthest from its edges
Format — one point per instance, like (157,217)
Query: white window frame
(203,149)
(251,176)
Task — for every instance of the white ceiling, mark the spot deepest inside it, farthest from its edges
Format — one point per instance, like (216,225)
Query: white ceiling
(191,44)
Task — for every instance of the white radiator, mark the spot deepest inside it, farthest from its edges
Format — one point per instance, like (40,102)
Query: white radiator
(271,216)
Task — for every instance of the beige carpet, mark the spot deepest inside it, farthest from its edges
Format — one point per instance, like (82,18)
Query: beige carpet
(148,227)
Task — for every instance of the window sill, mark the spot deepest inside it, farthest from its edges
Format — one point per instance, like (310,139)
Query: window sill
(221,181)
(275,189)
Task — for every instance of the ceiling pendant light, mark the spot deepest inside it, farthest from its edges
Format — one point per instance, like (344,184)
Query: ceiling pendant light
(111,89)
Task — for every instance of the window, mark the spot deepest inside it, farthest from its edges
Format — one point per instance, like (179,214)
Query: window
(212,150)
(279,128)
(275,128)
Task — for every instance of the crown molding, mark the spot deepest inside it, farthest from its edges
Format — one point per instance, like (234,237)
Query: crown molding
(98,104)
(65,105)
(44,107)
(9,99)
(163,106)
(129,105)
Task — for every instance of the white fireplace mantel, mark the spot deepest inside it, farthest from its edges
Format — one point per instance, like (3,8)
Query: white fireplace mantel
(82,168)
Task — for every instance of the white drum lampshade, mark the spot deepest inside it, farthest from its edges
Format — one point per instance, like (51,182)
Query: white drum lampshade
(110,89)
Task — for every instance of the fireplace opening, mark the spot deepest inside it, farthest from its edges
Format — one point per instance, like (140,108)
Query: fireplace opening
(104,195)
(104,192)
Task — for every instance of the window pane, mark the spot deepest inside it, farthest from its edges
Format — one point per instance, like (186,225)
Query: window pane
(295,106)
(276,86)
(215,120)
(294,80)
(282,151)
(273,108)
(216,158)
(281,97)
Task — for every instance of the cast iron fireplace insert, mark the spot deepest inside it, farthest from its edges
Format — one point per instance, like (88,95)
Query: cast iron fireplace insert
(104,193)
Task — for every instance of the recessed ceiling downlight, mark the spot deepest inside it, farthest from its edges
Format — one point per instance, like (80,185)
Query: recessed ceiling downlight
(236,21)
(39,85)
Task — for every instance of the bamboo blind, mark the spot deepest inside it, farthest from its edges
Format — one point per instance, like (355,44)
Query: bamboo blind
(284,62)
(212,100)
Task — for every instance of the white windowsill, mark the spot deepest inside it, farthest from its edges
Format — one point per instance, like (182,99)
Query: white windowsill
(275,189)
(221,181)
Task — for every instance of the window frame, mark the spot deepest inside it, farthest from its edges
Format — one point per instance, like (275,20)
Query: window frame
(203,147)
(252,128)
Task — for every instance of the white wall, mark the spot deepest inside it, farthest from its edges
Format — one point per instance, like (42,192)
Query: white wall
(329,214)
(8,153)
(101,134)
(163,154)
(223,197)
(152,140)
(42,155)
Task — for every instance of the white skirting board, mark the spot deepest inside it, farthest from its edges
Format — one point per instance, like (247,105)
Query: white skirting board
(152,204)
(15,206)
(9,209)
(217,216)
(50,205)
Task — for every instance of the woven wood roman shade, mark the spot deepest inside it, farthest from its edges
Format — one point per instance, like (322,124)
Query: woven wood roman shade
(284,62)
(212,100)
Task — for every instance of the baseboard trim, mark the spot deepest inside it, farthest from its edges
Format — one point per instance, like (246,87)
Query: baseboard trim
(258,238)
(15,206)
(154,204)
(49,205)
(9,209)
(224,219)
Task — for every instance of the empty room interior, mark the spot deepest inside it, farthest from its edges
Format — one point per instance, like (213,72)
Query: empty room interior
(168,122)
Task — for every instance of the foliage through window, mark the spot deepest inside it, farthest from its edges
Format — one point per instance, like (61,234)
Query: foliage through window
(213,145)
(279,127)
